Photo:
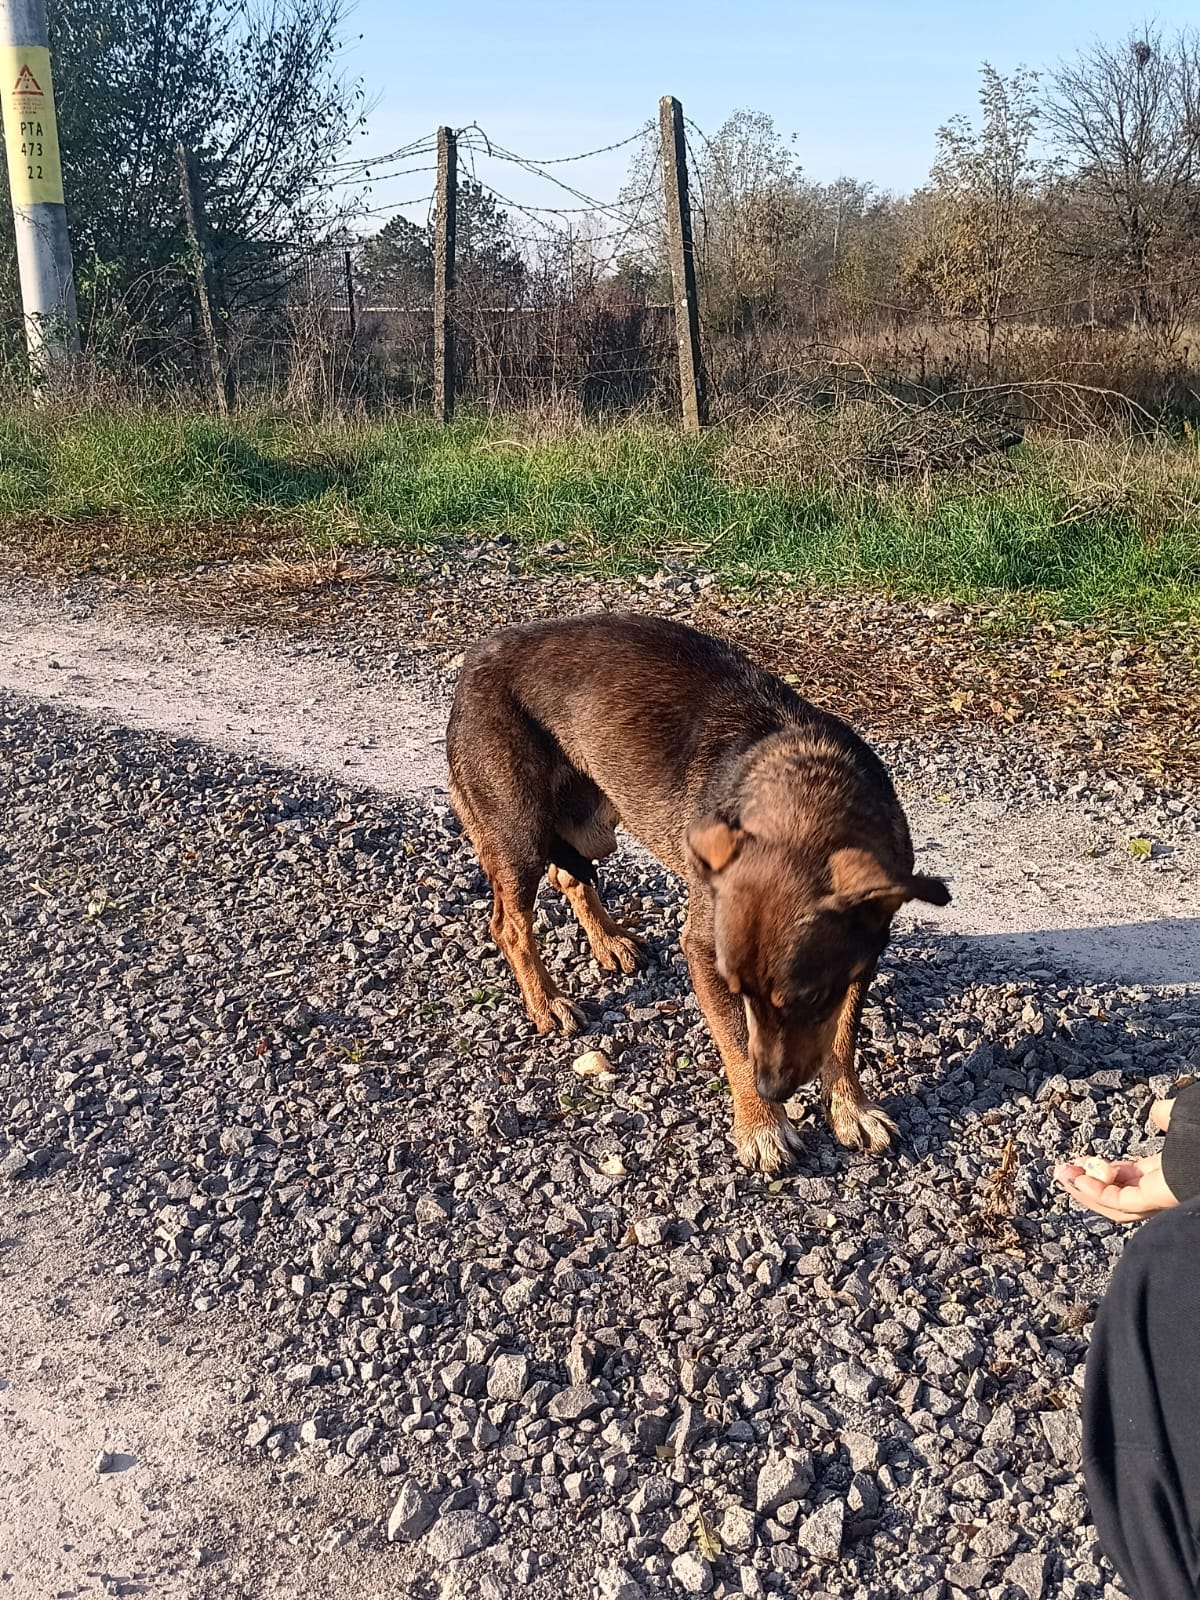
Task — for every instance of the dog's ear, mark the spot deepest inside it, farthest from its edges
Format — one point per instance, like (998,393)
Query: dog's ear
(713,843)
(860,883)
(932,890)
(859,879)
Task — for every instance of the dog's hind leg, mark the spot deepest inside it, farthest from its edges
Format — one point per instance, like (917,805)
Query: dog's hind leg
(512,929)
(856,1123)
(612,946)
(498,807)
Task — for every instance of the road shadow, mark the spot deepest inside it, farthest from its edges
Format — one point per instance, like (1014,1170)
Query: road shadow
(1164,951)
(1059,1038)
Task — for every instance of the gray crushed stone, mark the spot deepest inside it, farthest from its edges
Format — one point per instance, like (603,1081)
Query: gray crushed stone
(257,1020)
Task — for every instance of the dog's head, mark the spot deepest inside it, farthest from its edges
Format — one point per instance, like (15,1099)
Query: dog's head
(792,936)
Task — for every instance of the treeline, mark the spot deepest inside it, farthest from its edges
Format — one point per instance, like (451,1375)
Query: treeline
(1054,250)
(1056,242)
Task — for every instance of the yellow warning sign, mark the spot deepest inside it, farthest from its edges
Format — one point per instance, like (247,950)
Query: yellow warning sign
(30,131)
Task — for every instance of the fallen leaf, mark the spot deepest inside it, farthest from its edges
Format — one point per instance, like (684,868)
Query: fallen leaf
(706,1538)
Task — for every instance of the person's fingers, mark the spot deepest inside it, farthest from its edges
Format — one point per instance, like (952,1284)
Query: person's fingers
(1120,1196)
(1117,1202)
(1124,1218)
(1068,1177)
(1160,1114)
(1105,1172)
(1137,1189)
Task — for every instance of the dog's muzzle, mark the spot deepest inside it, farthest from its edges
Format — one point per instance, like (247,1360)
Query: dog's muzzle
(778,1085)
(777,1072)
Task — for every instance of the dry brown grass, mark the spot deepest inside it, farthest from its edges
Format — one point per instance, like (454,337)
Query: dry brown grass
(1063,379)
(122,547)
(999,1191)
(287,574)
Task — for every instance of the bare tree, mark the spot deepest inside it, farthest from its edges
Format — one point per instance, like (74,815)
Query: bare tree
(752,215)
(1126,121)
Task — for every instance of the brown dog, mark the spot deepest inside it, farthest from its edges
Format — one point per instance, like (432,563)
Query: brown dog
(783,822)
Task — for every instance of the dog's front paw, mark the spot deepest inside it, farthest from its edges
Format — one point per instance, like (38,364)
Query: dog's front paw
(559,1015)
(619,952)
(766,1141)
(860,1126)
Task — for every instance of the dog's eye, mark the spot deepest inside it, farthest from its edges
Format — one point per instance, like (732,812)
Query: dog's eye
(813,999)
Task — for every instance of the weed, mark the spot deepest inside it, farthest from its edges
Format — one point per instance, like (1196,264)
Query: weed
(1105,525)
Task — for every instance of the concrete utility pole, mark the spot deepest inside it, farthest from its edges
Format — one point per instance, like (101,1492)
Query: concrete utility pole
(692,388)
(35,180)
(445,228)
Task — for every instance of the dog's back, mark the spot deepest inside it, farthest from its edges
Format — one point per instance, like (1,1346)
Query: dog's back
(661,720)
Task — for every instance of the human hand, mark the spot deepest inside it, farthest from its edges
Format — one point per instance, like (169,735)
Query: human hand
(1122,1191)
(1160,1114)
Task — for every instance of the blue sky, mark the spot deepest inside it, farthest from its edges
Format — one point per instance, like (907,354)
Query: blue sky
(862,86)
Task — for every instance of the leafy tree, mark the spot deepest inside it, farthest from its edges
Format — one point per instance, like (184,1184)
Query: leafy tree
(397,262)
(250,85)
(396,265)
(489,265)
(985,222)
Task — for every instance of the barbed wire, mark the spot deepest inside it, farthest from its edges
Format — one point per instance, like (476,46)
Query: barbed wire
(651,183)
(409,172)
(395,205)
(584,155)
(590,206)
(473,141)
(428,144)
(590,202)
(532,212)
(419,147)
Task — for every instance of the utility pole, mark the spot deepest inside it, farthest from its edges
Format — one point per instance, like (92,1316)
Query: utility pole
(193,212)
(35,181)
(351,298)
(443,275)
(692,389)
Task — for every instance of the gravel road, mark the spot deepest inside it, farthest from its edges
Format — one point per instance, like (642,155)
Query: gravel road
(1038,854)
(267,1089)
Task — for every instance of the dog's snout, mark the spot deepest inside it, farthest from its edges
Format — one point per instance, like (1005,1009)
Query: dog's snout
(771,1084)
(782,1063)
(779,1083)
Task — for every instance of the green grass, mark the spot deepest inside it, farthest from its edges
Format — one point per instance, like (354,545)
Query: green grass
(1085,528)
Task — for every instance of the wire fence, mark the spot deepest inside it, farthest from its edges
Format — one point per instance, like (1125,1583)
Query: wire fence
(563,299)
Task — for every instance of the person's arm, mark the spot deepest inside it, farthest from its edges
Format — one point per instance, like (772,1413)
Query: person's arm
(1181,1150)
(1130,1191)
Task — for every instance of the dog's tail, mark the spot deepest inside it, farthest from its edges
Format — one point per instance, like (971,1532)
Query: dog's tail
(566,856)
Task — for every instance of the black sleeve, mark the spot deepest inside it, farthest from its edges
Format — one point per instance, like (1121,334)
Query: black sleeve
(1181,1151)
(1141,1409)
